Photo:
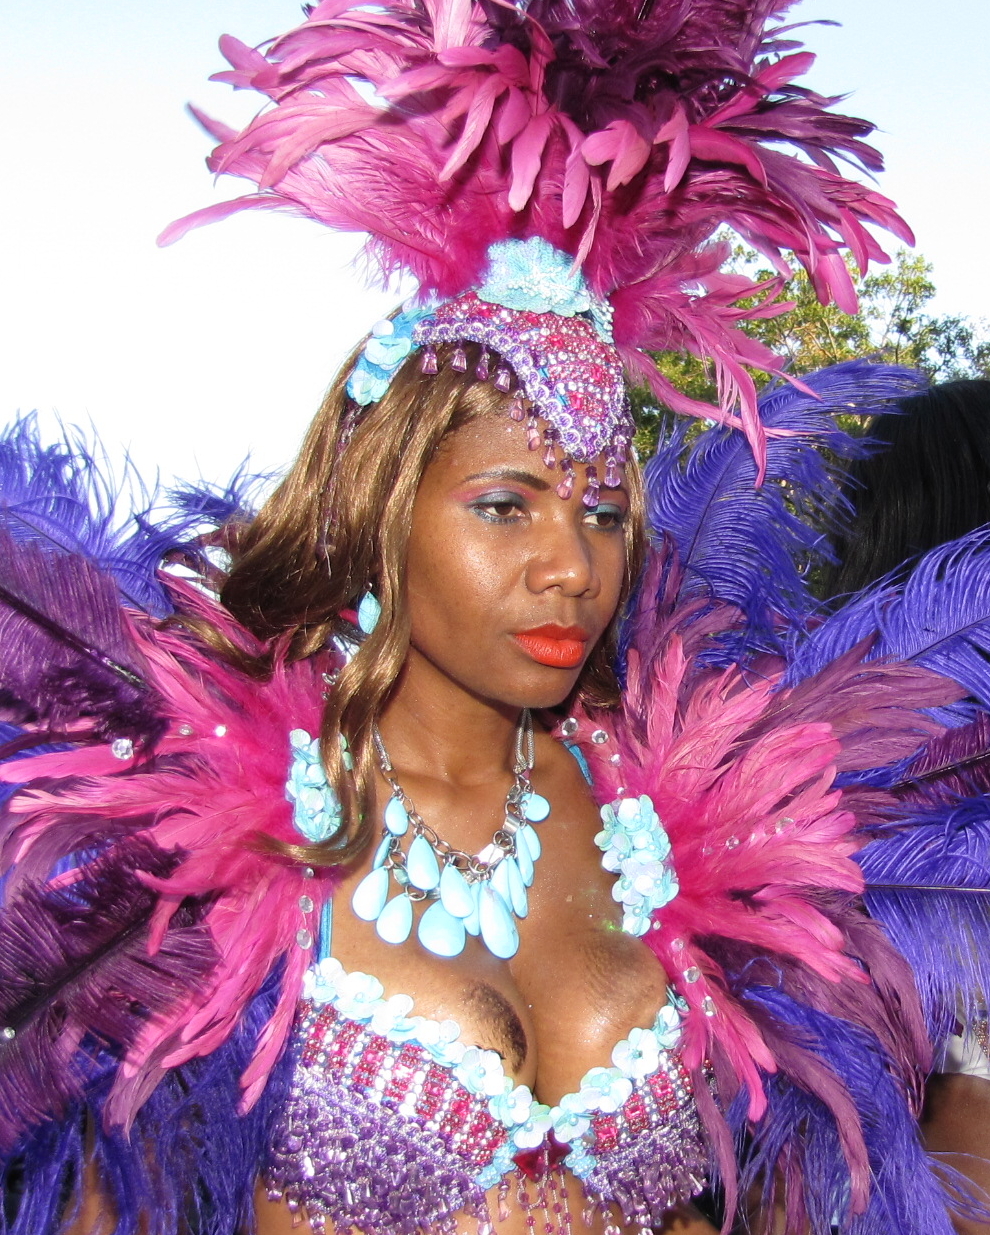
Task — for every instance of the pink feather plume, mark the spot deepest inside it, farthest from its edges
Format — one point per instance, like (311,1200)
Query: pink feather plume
(214,787)
(626,140)
(742,774)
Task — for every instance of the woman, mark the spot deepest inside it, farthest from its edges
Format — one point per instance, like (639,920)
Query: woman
(510,597)
(351,725)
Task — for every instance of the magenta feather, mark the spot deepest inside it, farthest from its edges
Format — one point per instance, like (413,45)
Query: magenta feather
(743,774)
(953,765)
(76,977)
(625,137)
(215,785)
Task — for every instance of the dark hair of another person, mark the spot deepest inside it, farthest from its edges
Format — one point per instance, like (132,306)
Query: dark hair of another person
(927,482)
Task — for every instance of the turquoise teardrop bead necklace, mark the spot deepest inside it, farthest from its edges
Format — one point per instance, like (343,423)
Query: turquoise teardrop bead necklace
(479,894)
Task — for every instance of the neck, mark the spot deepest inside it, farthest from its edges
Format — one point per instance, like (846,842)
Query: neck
(432,726)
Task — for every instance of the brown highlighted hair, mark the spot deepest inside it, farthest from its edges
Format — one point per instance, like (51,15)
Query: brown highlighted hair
(339,523)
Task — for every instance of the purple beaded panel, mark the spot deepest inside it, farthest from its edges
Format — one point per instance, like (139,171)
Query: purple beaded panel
(650,1153)
(375,1135)
(572,377)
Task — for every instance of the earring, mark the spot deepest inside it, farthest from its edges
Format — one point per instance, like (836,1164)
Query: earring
(369,611)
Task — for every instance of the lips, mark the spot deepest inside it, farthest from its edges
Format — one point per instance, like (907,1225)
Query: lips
(560,647)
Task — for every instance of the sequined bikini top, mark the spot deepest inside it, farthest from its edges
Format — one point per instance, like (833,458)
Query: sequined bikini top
(394,1124)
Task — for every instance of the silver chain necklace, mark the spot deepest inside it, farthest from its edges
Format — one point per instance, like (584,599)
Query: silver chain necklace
(480,894)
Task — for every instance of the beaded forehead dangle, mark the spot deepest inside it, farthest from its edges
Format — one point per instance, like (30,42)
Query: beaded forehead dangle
(554,175)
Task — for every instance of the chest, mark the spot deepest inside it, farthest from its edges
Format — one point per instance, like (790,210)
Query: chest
(577,985)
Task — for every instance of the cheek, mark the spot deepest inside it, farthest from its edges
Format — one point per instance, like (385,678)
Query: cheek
(456,588)
(611,567)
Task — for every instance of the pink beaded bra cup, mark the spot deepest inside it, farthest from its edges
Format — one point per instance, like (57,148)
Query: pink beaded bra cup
(383,1133)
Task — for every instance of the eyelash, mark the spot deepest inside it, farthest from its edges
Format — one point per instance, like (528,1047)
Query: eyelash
(615,513)
(491,501)
(483,508)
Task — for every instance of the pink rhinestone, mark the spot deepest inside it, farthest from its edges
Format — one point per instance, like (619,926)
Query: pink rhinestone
(461,1105)
(606,1131)
(458,362)
(660,1086)
(634,1110)
(429,362)
(341,1045)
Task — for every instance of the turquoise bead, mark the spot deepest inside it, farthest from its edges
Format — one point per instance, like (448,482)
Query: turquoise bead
(535,807)
(524,861)
(422,866)
(368,613)
(472,923)
(517,889)
(396,817)
(395,920)
(455,892)
(440,932)
(508,883)
(528,836)
(498,927)
(370,895)
(381,853)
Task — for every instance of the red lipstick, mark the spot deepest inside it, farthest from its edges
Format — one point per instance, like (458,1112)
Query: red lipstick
(560,647)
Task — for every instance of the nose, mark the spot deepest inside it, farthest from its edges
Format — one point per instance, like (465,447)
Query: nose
(562,558)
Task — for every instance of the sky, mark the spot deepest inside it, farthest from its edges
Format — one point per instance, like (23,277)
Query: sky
(193,357)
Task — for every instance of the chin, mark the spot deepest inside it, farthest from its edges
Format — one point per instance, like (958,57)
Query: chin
(555,687)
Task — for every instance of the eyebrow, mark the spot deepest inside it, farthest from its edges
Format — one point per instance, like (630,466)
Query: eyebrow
(511,474)
(523,478)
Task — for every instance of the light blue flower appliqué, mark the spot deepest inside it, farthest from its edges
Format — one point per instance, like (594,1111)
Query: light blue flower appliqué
(358,996)
(481,1072)
(604,1089)
(441,1039)
(533,1132)
(512,1108)
(390,1017)
(390,343)
(569,1120)
(533,275)
(316,809)
(320,981)
(636,847)
(668,1026)
(637,1056)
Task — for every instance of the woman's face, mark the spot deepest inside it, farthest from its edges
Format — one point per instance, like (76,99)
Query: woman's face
(510,586)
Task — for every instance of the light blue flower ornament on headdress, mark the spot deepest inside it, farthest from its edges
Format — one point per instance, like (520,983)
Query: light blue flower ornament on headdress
(390,343)
(531,275)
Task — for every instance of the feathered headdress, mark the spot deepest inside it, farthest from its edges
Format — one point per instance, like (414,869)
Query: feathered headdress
(622,133)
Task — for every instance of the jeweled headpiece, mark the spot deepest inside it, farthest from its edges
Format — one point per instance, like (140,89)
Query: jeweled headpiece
(516,155)
(534,318)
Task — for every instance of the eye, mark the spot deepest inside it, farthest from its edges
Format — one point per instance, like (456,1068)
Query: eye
(605,516)
(499,507)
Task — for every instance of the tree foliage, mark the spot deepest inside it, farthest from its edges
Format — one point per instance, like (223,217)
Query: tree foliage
(893,326)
